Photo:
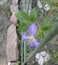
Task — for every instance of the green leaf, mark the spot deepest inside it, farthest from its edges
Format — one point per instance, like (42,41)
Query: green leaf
(40,34)
(56,54)
(22,17)
(54,4)
(45,28)
(17,63)
(33,15)
(23,27)
(47,24)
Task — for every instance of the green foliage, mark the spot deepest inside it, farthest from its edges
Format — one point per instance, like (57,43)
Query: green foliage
(46,24)
(50,2)
(23,27)
(22,17)
(17,63)
(56,54)
(40,33)
(33,15)
(26,20)
(44,28)
(54,3)
(23,21)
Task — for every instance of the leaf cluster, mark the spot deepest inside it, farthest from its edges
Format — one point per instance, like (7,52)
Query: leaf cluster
(25,20)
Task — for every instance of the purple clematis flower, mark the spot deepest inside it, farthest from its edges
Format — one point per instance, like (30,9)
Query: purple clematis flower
(33,42)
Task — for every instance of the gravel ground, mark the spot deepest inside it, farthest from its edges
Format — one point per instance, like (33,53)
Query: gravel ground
(4,23)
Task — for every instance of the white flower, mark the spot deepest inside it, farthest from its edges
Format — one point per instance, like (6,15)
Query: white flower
(47,7)
(39,4)
(42,57)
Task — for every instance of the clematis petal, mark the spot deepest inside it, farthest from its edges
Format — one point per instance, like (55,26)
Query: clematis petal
(34,43)
(25,37)
(32,29)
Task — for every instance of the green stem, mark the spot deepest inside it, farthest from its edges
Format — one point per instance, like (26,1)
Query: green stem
(22,57)
(24,51)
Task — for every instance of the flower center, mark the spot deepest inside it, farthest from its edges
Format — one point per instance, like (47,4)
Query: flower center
(31,38)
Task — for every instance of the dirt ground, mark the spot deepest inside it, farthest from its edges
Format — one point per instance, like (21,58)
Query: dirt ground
(4,23)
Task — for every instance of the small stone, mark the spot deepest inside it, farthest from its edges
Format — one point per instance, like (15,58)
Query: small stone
(13,19)
(47,7)
(14,8)
(42,57)
(12,46)
(15,1)
(9,63)
(39,4)
(43,53)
